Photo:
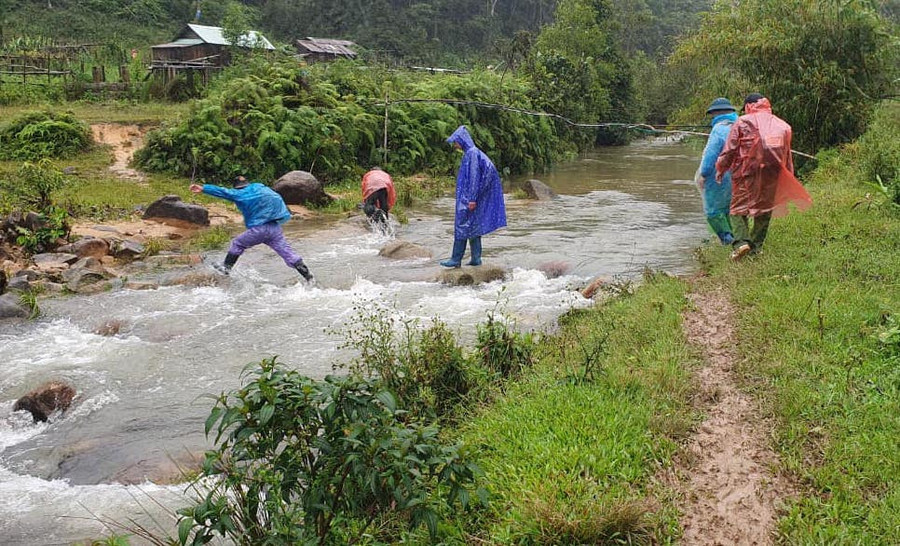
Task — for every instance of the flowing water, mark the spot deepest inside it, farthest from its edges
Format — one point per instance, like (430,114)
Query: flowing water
(140,407)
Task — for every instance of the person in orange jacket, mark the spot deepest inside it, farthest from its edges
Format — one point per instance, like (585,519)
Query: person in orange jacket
(378,195)
(758,154)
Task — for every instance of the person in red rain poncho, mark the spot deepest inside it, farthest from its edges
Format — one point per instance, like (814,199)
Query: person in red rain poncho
(378,195)
(758,154)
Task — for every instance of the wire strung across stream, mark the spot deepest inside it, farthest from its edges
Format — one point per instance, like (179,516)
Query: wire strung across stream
(642,127)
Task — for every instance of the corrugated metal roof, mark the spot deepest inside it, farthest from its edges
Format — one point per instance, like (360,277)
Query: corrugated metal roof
(213,35)
(182,42)
(341,48)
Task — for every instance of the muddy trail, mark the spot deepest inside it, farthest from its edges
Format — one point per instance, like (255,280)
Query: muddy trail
(124,141)
(727,475)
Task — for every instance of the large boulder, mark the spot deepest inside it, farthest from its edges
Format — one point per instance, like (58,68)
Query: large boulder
(469,276)
(402,250)
(535,189)
(11,307)
(43,401)
(92,247)
(171,210)
(301,188)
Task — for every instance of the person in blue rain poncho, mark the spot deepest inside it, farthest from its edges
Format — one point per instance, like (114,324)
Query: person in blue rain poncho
(717,196)
(264,211)
(479,200)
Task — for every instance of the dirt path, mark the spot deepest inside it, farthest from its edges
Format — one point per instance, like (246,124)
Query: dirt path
(124,140)
(730,494)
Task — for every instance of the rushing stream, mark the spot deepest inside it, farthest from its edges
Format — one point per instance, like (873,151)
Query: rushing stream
(140,404)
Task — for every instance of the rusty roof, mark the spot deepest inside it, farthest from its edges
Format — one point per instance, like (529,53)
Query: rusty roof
(341,48)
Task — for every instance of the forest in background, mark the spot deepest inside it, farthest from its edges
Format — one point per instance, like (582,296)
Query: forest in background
(452,33)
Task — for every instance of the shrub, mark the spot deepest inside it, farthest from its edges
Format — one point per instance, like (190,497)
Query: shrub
(33,186)
(879,151)
(424,369)
(270,119)
(301,461)
(503,350)
(54,225)
(38,135)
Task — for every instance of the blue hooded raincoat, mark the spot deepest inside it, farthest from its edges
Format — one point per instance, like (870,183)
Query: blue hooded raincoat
(479,181)
(716,197)
(258,203)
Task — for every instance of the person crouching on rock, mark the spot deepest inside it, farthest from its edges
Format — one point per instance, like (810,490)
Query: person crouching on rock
(378,195)
(264,211)
(479,199)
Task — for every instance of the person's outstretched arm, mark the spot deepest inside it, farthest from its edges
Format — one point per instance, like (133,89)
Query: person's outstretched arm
(215,191)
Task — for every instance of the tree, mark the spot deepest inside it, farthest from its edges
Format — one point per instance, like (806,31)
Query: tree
(824,65)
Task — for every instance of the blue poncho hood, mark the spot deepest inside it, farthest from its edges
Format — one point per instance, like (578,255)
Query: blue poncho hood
(478,181)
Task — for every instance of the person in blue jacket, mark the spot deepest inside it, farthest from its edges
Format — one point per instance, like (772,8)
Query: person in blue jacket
(717,196)
(479,199)
(264,211)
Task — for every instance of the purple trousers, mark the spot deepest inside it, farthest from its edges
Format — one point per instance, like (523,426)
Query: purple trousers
(267,234)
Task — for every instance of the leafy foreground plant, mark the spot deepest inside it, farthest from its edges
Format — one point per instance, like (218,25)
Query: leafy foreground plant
(301,461)
(424,369)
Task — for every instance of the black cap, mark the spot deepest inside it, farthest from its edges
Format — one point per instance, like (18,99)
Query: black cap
(239,182)
(753,97)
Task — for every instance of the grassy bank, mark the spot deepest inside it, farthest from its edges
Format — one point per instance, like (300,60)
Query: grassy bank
(819,337)
(570,453)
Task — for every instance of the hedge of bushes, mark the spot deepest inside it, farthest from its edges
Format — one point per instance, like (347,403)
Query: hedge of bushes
(329,120)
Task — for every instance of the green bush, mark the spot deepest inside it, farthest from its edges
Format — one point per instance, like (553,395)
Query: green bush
(425,369)
(33,186)
(301,461)
(503,350)
(54,225)
(38,135)
(878,151)
(270,118)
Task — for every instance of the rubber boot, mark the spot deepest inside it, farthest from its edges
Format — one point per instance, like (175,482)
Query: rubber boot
(230,260)
(304,271)
(459,248)
(475,247)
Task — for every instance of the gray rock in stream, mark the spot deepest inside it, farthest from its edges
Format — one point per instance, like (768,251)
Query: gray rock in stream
(469,276)
(535,189)
(11,308)
(43,401)
(401,250)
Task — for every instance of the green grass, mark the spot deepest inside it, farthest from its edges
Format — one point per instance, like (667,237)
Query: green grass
(145,113)
(209,239)
(571,461)
(812,307)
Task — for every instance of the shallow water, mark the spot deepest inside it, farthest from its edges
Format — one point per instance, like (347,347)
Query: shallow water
(141,393)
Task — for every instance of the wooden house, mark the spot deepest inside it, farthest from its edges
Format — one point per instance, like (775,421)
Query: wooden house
(200,46)
(324,49)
